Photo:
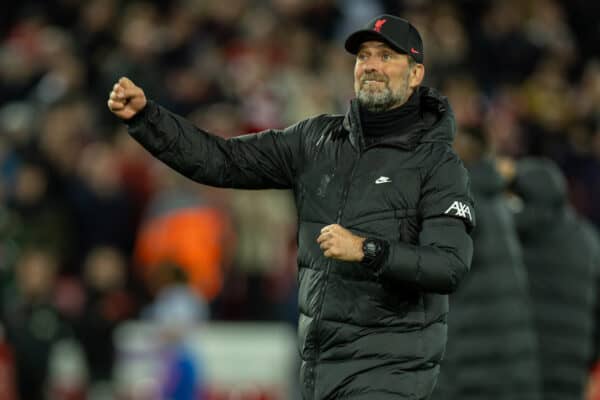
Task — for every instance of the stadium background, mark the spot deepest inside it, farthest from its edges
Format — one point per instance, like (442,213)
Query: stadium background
(95,233)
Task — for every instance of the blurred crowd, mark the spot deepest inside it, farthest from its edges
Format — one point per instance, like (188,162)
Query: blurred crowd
(94,231)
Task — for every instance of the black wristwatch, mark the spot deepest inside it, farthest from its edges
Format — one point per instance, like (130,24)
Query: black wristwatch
(375,251)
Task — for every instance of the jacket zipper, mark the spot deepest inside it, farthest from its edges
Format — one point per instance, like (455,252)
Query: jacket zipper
(338,220)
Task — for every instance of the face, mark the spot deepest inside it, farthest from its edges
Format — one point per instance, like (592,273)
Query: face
(383,78)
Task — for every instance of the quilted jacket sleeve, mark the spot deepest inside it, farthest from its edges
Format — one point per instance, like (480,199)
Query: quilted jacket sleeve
(266,160)
(445,249)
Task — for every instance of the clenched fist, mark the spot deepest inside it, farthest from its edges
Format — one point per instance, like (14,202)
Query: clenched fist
(126,99)
(341,244)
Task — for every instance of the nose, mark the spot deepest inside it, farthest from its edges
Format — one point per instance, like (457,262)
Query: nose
(371,72)
(371,65)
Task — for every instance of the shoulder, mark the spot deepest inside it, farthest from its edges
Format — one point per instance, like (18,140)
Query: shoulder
(323,121)
(441,159)
(305,127)
(446,188)
(444,168)
(315,128)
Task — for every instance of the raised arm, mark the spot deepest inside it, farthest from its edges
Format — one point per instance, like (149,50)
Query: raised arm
(259,161)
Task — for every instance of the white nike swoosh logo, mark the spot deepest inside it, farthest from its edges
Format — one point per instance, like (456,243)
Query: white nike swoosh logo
(383,179)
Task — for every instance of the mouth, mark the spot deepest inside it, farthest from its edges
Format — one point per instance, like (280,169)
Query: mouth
(372,80)
(372,84)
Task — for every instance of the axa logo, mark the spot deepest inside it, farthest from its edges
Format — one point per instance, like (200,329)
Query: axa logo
(382,179)
(378,24)
(460,210)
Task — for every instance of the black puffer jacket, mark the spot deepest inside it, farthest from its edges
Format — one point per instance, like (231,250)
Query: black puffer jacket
(362,333)
(561,255)
(492,349)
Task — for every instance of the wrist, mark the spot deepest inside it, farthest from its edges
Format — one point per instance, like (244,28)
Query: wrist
(146,112)
(360,252)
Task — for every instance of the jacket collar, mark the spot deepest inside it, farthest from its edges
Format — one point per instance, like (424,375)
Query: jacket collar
(437,124)
(352,124)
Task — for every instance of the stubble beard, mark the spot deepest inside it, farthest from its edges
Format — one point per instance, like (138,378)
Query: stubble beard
(383,99)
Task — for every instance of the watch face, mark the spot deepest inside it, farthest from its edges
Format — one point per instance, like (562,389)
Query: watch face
(370,246)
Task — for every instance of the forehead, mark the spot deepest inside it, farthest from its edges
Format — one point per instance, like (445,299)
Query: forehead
(375,45)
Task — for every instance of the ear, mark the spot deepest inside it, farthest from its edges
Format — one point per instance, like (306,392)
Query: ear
(417,73)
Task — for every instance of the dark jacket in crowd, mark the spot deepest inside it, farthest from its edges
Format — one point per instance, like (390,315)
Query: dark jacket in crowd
(561,255)
(492,350)
(363,333)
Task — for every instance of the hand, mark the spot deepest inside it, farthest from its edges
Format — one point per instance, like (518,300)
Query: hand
(340,244)
(126,99)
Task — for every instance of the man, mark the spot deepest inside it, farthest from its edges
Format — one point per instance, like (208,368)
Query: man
(492,349)
(383,214)
(561,253)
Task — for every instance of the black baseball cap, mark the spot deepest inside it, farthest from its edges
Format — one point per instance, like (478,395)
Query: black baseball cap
(398,33)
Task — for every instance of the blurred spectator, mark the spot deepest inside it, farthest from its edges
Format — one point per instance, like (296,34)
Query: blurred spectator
(136,175)
(548,108)
(32,322)
(102,208)
(492,345)
(503,53)
(7,368)
(64,129)
(582,164)
(468,102)
(181,227)
(562,255)
(265,225)
(547,28)
(34,217)
(140,41)
(67,371)
(447,43)
(17,123)
(176,306)
(106,304)
(176,310)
